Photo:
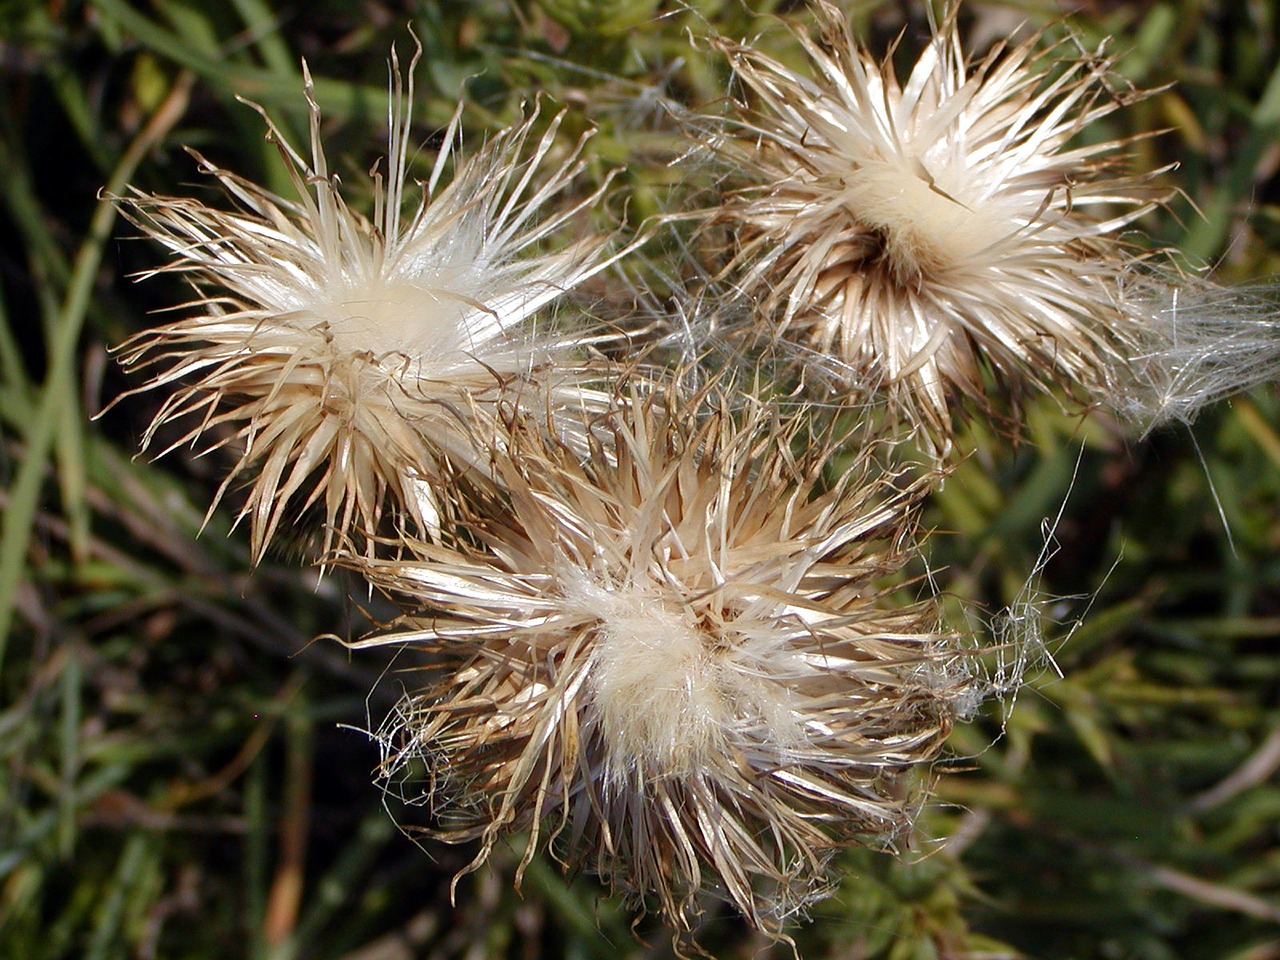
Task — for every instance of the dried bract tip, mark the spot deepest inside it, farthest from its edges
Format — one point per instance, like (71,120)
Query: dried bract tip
(338,350)
(923,232)
(674,657)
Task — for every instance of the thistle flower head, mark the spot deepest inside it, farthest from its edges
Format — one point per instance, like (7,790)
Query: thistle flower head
(674,657)
(337,349)
(919,232)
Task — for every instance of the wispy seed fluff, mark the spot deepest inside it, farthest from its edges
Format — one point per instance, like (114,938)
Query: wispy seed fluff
(672,661)
(337,350)
(917,234)
(1202,342)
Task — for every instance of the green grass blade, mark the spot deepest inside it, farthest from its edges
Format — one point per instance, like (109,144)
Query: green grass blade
(264,28)
(261,86)
(25,494)
(1206,236)
(13,372)
(69,734)
(111,915)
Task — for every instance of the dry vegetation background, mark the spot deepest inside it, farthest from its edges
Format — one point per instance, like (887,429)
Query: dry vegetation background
(182,772)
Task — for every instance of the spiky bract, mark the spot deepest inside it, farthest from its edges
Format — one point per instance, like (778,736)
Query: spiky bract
(916,233)
(338,350)
(675,657)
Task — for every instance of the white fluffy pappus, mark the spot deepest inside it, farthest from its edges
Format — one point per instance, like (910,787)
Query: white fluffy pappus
(926,231)
(675,658)
(1202,342)
(344,354)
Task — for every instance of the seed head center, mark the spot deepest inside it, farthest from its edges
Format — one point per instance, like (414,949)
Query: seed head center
(657,681)
(928,225)
(394,316)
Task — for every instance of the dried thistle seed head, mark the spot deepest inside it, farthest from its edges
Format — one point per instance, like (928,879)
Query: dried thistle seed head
(337,349)
(920,232)
(674,657)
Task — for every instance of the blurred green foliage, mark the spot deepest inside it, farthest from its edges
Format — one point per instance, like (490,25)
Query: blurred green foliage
(181,769)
